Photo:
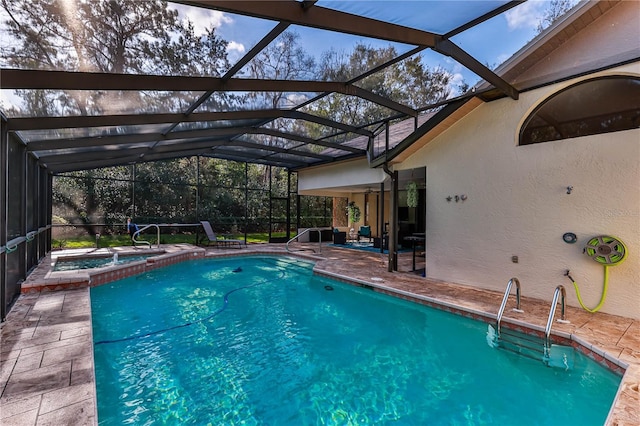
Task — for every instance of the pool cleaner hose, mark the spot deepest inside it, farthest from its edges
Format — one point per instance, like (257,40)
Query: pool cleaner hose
(608,251)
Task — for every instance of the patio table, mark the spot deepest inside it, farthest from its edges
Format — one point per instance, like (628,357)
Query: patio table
(414,239)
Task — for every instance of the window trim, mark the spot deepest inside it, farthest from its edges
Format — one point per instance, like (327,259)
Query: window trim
(535,113)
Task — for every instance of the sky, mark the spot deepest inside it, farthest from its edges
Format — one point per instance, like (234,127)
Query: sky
(491,42)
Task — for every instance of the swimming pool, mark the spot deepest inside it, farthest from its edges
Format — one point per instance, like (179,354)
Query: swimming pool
(272,344)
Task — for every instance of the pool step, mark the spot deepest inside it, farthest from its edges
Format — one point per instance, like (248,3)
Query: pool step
(532,347)
(525,354)
(519,343)
(506,334)
(522,344)
(299,266)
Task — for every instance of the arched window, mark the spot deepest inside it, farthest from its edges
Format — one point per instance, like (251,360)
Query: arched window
(591,107)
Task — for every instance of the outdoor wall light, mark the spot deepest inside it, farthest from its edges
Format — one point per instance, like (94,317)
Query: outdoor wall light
(457,198)
(569,189)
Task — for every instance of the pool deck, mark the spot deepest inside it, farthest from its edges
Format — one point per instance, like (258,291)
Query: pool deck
(46,363)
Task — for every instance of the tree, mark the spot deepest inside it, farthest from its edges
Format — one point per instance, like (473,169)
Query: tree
(165,191)
(125,36)
(409,82)
(93,196)
(283,59)
(554,11)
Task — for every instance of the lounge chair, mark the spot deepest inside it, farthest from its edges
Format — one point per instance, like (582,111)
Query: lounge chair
(215,240)
(365,231)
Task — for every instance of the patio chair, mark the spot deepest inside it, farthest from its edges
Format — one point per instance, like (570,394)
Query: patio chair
(365,231)
(215,240)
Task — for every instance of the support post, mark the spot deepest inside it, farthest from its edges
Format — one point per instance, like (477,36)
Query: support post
(393,224)
(381,218)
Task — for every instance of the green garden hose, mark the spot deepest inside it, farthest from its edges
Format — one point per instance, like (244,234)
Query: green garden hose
(608,251)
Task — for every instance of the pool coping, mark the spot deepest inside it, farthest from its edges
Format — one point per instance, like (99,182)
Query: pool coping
(624,410)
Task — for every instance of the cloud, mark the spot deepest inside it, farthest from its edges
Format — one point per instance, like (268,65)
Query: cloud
(235,50)
(502,57)
(457,77)
(526,15)
(234,46)
(294,99)
(219,18)
(454,84)
(9,99)
(202,18)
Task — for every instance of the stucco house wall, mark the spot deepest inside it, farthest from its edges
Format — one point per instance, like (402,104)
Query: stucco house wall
(338,179)
(517,204)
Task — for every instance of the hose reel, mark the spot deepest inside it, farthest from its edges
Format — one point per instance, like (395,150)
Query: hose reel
(607,251)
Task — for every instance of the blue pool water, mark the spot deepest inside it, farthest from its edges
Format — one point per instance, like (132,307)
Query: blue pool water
(95,262)
(272,344)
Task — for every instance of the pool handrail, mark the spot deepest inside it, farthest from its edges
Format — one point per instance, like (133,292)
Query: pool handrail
(12,245)
(135,234)
(552,313)
(504,301)
(302,233)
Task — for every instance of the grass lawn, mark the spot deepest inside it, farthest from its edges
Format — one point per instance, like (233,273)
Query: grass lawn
(124,240)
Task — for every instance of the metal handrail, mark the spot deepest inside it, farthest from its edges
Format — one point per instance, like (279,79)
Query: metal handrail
(552,313)
(135,234)
(301,234)
(504,301)
(11,245)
